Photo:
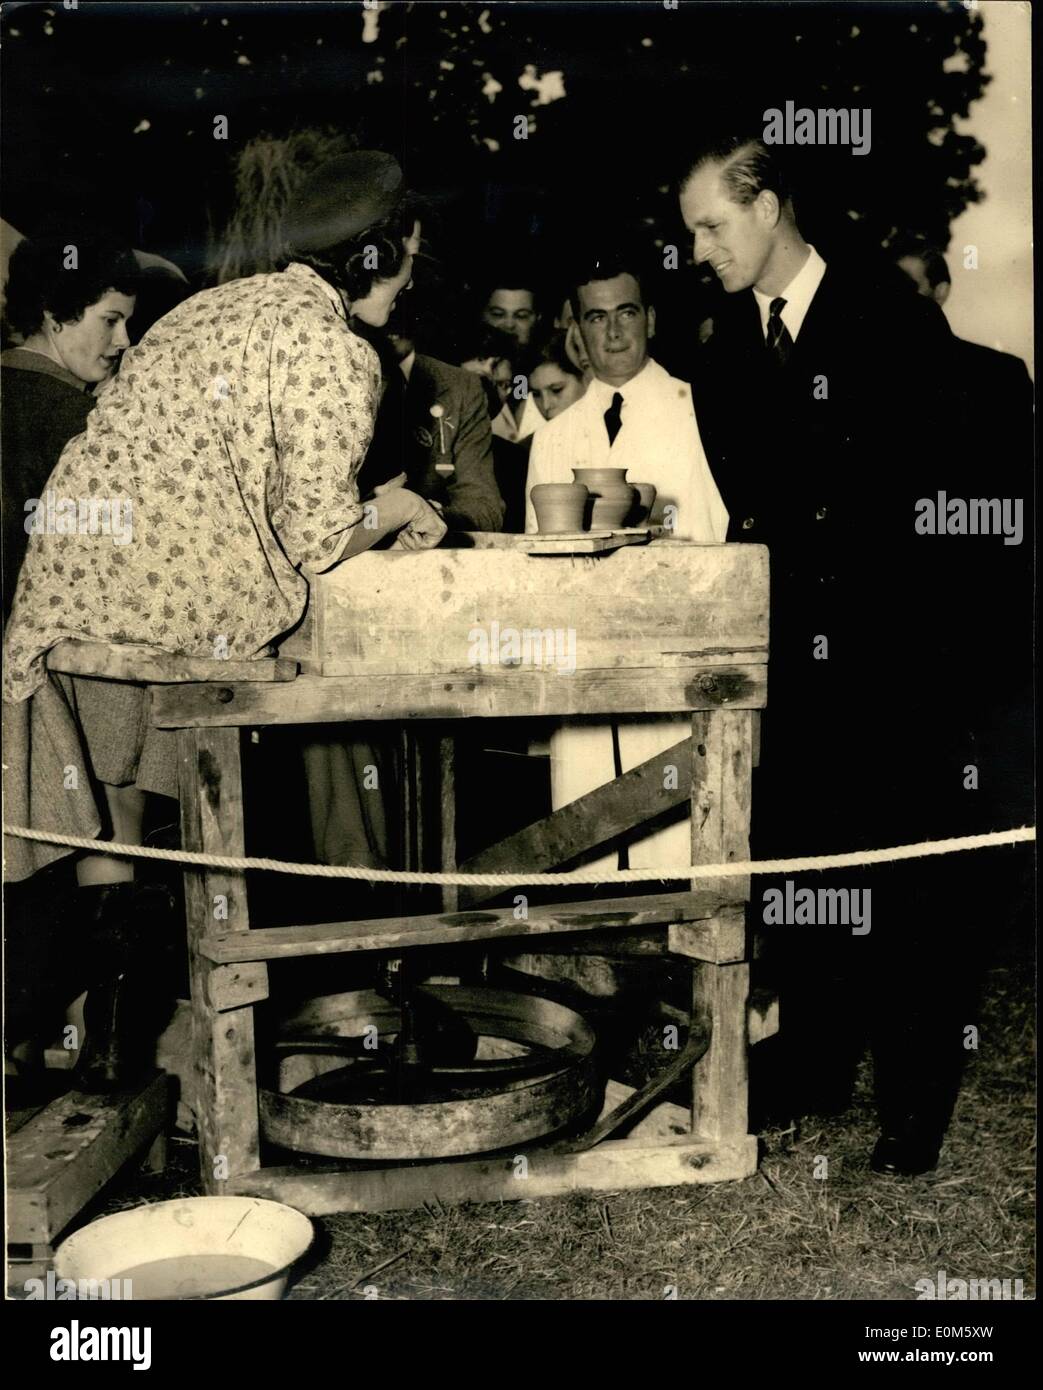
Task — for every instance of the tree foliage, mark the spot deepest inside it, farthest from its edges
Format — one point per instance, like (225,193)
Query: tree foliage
(117,102)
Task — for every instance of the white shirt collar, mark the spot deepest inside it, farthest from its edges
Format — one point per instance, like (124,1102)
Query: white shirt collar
(603,391)
(798,295)
(407,363)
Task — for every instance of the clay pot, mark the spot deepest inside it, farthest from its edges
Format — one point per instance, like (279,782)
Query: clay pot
(612,495)
(559,507)
(646,495)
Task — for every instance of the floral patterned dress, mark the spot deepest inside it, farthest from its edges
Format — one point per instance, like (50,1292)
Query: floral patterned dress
(234,431)
(227,450)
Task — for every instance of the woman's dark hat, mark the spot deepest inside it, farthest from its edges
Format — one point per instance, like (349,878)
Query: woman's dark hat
(341,198)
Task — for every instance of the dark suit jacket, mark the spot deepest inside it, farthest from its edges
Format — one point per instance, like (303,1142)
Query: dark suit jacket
(823,461)
(406,439)
(42,409)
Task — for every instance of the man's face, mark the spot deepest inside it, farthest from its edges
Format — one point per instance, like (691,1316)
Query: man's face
(736,240)
(615,327)
(512,312)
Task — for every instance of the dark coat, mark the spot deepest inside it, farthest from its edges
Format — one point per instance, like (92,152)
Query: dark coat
(42,408)
(823,461)
(407,439)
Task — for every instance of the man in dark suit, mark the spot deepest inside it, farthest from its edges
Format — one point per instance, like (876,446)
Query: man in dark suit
(824,407)
(994,388)
(994,398)
(433,432)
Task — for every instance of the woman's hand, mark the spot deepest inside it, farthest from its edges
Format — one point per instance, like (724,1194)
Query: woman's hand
(395,512)
(423,529)
(399,480)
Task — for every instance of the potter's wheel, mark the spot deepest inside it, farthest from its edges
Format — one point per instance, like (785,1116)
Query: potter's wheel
(494,1069)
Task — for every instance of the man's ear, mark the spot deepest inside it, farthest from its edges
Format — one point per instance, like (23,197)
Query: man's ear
(651,322)
(769,207)
(940,293)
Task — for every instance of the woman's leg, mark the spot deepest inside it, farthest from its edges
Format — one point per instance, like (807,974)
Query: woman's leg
(127,813)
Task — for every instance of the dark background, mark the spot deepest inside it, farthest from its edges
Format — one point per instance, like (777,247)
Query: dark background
(639,80)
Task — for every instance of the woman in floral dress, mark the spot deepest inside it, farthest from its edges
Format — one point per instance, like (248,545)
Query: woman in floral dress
(228,446)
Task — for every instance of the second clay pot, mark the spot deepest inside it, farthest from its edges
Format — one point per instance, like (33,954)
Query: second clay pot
(613,497)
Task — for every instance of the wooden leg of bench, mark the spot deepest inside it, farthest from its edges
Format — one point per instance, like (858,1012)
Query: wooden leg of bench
(722,764)
(223,1042)
(447,798)
(720,1091)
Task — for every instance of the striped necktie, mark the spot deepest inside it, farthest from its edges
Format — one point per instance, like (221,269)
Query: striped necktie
(779,343)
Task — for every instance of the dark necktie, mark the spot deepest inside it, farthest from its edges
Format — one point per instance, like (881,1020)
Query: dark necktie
(779,342)
(613,418)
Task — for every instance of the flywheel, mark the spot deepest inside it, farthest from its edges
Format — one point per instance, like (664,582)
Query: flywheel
(448,1070)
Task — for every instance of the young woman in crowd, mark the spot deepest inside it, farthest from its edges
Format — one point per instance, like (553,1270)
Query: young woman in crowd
(555,382)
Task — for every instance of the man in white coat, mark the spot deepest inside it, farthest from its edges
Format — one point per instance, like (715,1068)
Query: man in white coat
(636,416)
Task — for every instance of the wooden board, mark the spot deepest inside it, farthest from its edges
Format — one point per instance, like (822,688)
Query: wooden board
(394,933)
(211,791)
(69,1150)
(507,540)
(123,661)
(468,611)
(613,1166)
(589,822)
(483,694)
(581,544)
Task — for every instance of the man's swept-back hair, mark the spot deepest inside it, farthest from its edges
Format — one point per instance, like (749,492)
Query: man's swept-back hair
(749,166)
(605,263)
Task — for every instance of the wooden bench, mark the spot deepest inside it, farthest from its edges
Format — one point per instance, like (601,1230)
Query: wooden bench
(668,628)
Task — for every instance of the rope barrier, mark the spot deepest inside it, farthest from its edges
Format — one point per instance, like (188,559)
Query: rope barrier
(239,863)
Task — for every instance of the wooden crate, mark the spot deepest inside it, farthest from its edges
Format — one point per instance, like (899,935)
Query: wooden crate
(662,605)
(65,1155)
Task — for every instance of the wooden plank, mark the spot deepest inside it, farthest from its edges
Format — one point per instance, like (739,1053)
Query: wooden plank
(123,661)
(424,612)
(447,804)
(396,933)
(507,540)
(485,693)
(33,1264)
(233,986)
(722,749)
(581,545)
(762,1016)
(721,939)
(719,1080)
(587,823)
(211,794)
(722,762)
(69,1150)
(614,1166)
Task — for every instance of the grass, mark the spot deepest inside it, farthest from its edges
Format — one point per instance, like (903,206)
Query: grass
(782,1234)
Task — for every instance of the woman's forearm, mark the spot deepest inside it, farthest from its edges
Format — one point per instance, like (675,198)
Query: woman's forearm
(380,517)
